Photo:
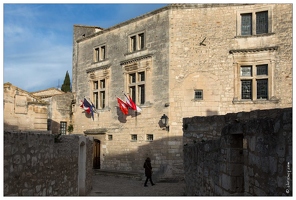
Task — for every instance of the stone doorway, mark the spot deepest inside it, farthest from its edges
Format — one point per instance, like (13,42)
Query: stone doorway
(96,154)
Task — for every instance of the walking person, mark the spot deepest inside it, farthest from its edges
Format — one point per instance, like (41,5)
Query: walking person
(148,172)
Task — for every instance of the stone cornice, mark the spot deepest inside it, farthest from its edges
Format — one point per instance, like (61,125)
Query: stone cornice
(98,68)
(234,51)
(124,62)
(96,131)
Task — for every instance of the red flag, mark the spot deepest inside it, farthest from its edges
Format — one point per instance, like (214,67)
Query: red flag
(123,106)
(130,102)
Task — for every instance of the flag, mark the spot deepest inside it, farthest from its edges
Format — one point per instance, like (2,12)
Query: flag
(131,104)
(123,106)
(88,107)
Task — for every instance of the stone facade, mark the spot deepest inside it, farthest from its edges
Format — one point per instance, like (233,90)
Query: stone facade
(36,165)
(42,110)
(252,155)
(188,48)
(22,110)
(59,111)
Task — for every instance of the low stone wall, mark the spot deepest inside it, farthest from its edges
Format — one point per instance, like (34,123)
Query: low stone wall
(37,165)
(253,156)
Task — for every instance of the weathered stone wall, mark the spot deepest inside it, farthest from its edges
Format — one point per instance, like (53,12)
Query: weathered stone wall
(22,110)
(36,165)
(60,110)
(253,156)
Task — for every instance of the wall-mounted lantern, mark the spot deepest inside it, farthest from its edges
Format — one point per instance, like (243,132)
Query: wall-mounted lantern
(165,121)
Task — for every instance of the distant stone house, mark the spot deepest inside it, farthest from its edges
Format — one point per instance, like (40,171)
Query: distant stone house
(59,109)
(182,60)
(45,110)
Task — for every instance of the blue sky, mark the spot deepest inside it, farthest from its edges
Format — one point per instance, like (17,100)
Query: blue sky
(37,38)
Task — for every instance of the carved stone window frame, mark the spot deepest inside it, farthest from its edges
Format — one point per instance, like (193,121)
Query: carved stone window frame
(98,74)
(136,66)
(254,57)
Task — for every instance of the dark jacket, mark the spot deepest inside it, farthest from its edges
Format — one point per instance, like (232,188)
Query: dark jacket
(148,168)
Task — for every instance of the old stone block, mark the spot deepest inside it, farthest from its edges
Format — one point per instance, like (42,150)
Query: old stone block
(17,159)
(34,161)
(27,192)
(38,188)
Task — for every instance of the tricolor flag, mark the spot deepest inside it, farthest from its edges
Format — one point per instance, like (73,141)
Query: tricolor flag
(123,106)
(88,107)
(131,104)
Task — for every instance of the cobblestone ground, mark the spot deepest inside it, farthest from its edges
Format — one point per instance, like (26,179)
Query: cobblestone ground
(123,186)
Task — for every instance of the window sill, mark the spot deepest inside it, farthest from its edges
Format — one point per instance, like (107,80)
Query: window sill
(196,100)
(100,61)
(249,36)
(129,53)
(145,105)
(133,140)
(257,101)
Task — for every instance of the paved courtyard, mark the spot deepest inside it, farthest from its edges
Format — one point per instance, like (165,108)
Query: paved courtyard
(112,185)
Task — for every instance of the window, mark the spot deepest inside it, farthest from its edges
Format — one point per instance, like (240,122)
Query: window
(137,42)
(136,87)
(254,82)
(246,24)
(63,128)
(100,53)
(99,93)
(254,23)
(110,137)
(134,137)
(149,137)
(198,94)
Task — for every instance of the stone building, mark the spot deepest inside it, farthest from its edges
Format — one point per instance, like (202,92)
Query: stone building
(59,109)
(44,110)
(22,110)
(179,61)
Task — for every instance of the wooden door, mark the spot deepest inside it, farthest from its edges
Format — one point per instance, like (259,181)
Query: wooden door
(96,154)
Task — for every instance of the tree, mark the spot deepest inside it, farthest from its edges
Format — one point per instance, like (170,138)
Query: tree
(66,87)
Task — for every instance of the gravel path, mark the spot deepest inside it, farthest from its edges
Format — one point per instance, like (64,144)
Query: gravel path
(123,186)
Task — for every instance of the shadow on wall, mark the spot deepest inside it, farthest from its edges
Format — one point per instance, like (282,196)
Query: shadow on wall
(8,127)
(122,117)
(53,126)
(166,156)
(211,112)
